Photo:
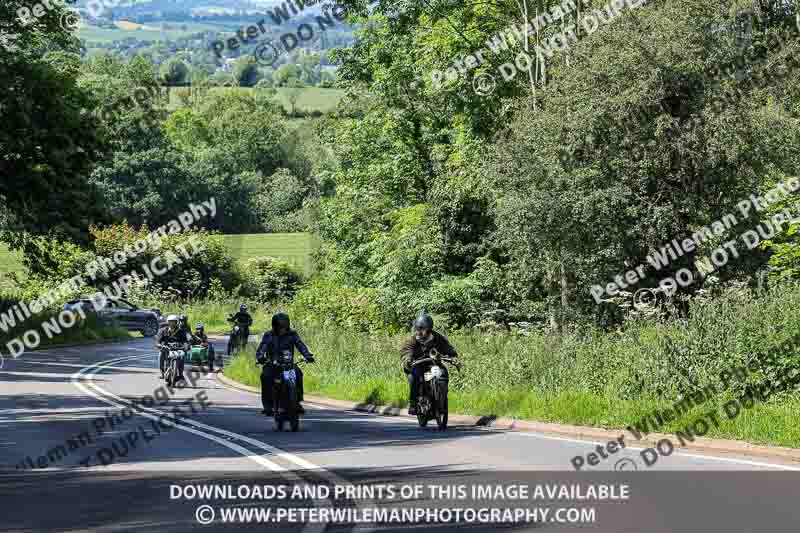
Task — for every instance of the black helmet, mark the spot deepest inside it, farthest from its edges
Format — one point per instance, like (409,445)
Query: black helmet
(424,320)
(280,317)
(242,308)
(183,318)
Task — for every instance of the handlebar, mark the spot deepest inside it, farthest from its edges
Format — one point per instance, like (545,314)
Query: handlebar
(173,346)
(434,360)
(264,360)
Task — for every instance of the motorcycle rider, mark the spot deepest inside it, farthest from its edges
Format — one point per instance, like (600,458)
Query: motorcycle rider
(243,320)
(419,346)
(170,333)
(280,338)
(183,323)
(199,337)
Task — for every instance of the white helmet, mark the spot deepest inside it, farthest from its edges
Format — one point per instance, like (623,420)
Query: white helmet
(170,318)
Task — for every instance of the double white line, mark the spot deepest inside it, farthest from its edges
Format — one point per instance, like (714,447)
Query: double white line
(83,380)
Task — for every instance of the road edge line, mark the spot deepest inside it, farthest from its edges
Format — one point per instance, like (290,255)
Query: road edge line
(720,446)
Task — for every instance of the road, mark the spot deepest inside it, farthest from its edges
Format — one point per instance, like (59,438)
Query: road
(106,483)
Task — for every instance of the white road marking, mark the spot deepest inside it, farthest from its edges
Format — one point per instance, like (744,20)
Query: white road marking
(104,395)
(681,453)
(101,394)
(512,433)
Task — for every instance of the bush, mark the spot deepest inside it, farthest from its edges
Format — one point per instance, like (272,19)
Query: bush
(188,277)
(269,279)
(327,304)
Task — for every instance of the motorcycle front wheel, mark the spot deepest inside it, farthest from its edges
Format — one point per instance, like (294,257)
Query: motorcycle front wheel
(291,408)
(441,412)
(423,411)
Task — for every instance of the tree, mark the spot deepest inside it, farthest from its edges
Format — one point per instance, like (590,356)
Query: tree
(48,141)
(310,68)
(264,84)
(222,78)
(608,169)
(284,74)
(293,91)
(175,73)
(150,187)
(245,72)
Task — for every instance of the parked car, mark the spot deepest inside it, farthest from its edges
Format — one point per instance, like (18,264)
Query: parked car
(146,321)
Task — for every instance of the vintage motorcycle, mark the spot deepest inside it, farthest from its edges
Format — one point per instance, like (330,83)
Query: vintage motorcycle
(284,389)
(237,339)
(432,390)
(172,375)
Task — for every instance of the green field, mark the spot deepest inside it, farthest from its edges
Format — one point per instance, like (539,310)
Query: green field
(311,98)
(9,262)
(150,32)
(295,248)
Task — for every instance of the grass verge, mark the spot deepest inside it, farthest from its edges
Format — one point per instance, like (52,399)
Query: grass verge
(368,370)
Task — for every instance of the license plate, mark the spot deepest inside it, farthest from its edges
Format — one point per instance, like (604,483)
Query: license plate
(289,375)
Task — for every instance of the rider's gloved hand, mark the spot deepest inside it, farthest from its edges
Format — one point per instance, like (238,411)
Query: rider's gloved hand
(310,358)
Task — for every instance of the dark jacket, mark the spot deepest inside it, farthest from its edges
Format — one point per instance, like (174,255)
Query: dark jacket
(163,336)
(272,344)
(199,339)
(242,319)
(412,349)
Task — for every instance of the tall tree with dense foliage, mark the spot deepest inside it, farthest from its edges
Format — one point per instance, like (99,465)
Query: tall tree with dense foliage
(48,142)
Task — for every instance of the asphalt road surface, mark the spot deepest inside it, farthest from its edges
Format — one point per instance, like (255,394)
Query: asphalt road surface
(87,444)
